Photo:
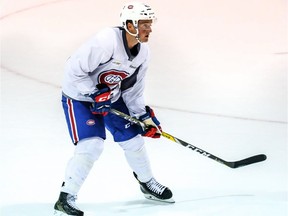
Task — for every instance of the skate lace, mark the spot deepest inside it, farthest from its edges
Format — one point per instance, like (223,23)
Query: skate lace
(155,186)
(71,201)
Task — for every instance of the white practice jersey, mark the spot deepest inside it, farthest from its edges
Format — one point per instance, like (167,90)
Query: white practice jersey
(107,59)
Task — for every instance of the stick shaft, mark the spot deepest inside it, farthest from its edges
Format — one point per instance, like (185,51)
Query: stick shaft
(233,164)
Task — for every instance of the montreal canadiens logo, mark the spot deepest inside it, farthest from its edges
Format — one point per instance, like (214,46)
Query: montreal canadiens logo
(90,122)
(112,77)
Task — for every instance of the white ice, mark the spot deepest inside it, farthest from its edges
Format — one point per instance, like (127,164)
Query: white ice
(218,80)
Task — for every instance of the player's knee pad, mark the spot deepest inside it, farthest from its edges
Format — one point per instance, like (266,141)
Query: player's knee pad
(133,145)
(92,148)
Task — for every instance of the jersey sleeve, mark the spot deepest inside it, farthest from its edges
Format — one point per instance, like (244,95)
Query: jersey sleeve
(86,59)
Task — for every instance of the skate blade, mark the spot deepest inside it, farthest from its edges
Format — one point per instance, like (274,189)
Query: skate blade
(151,197)
(59,213)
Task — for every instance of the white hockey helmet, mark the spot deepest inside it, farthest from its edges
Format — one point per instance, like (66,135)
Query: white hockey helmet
(136,11)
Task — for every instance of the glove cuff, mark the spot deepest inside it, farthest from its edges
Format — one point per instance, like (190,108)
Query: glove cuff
(144,116)
(149,114)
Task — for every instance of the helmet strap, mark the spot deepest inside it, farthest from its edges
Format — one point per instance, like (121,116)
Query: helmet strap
(136,35)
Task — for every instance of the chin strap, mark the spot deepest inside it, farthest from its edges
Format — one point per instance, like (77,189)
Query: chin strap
(136,35)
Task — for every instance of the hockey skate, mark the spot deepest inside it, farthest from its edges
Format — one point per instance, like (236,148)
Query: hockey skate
(153,190)
(66,206)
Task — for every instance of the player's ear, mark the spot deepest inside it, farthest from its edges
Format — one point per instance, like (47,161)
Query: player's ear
(130,26)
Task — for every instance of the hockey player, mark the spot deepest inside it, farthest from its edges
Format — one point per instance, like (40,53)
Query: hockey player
(107,72)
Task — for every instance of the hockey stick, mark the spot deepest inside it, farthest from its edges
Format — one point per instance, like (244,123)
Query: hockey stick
(231,164)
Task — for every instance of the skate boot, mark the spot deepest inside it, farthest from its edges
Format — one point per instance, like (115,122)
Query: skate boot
(153,190)
(66,206)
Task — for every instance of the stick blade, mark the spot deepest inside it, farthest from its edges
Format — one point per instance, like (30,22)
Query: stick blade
(248,161)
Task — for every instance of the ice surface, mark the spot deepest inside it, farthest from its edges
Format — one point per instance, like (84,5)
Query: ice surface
(221,107)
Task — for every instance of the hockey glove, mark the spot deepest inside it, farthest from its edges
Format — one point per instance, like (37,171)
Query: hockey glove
(101,100)
(153,129)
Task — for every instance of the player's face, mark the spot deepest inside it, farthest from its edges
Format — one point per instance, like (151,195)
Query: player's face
(144,28)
